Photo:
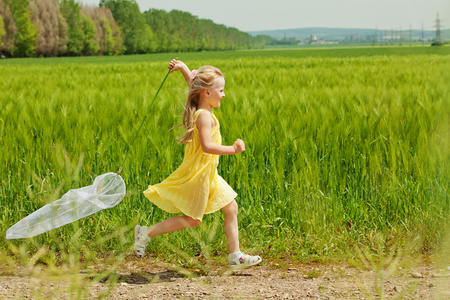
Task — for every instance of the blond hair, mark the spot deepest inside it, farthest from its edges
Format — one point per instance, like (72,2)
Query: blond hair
(205,78)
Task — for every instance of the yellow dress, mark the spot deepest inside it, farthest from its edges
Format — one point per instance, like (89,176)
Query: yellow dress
(195,188)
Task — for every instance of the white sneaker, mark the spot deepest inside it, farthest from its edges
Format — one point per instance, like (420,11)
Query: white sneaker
(141,240)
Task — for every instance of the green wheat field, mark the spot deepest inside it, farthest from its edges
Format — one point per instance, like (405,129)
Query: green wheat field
(345,148)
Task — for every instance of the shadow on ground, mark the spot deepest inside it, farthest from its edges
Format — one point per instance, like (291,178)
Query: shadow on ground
(142,278)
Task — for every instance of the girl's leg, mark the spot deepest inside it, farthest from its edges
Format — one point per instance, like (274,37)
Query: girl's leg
(236,258)
(143,234)
(231,226)
(172,224)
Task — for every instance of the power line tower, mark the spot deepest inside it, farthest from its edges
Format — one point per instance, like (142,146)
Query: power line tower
(410,35)
(438,29)
(375,36)
(422,35)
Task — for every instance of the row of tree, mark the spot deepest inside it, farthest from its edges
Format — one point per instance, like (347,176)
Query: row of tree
(53,28)
(65,28)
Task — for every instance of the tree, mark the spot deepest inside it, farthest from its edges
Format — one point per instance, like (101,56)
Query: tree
(47,17)
(113,33)
(75,35)
(26,31)
(63,32)
(2,24)
(90,44)
(7,28)
(136,33)
(262,40)
(108,35)
(182,31)
(2,30)
(158,21)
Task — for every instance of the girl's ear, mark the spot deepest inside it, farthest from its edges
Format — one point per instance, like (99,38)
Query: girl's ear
(205,92)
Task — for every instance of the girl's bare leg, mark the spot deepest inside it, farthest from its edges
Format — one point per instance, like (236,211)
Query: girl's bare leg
(231,226)
(172,224)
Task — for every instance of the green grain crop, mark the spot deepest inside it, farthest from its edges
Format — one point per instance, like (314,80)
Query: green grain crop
(341,144)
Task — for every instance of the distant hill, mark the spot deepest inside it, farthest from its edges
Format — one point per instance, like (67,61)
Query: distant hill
(345,33)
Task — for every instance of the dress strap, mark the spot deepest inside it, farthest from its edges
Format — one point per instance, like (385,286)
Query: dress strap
(198,112)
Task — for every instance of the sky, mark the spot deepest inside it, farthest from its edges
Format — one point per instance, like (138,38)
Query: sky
(258,15)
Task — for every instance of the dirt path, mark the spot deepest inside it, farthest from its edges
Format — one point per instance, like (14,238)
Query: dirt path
(141,279)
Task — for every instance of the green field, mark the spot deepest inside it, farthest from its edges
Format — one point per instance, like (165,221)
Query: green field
(404,44)
(344,147)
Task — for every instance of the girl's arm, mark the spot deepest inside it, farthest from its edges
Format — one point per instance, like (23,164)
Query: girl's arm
(175,65)
(204,126)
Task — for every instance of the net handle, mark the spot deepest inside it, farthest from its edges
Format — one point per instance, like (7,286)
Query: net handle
(142,123)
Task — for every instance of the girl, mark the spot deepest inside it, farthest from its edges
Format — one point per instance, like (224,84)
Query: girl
(195,188)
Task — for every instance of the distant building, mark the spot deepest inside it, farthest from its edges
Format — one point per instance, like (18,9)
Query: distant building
(313,40)
(391,37)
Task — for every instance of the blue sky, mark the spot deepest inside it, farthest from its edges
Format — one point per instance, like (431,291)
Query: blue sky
(258,15)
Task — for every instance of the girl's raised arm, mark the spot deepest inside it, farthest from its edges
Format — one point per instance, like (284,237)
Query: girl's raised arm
(175,65)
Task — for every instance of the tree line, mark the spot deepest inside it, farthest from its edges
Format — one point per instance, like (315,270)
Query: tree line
(47,28)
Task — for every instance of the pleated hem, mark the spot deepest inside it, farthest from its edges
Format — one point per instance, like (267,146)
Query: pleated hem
(170,207)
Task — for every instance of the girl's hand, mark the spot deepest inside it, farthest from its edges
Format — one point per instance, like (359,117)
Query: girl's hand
(175,65)
(239,146)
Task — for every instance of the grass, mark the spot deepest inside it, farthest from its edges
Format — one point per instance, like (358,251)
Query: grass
(342,145)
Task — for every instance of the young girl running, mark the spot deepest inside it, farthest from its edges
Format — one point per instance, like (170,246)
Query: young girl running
(195,188)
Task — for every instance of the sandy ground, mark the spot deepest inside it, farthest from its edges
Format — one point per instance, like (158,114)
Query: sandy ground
(281,279)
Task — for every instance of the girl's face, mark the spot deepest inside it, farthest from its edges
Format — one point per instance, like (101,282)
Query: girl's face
(216,93)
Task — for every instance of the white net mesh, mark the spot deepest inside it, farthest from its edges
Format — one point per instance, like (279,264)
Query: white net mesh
(107,191)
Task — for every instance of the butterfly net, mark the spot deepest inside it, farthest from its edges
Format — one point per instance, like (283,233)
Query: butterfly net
(107,191)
